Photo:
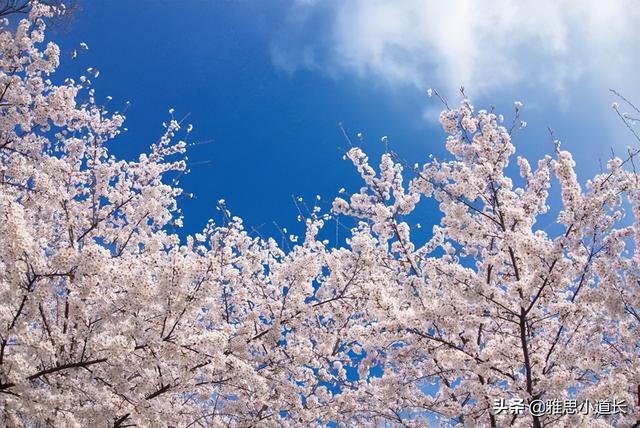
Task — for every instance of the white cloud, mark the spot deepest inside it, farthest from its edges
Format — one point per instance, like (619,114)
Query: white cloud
(562,47)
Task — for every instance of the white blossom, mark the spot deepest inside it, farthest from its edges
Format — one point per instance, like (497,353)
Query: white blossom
(109,318)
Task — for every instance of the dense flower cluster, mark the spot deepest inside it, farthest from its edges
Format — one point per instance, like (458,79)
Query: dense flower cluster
(109,319)
(493,306)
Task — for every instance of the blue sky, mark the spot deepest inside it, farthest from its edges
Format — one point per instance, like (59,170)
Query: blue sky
(268,82)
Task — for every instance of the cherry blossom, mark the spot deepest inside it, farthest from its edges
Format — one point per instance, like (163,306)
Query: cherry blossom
(110,318)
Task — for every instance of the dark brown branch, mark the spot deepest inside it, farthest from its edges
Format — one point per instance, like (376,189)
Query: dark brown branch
(118,422)
(160,391)
(527,362)
(82,364)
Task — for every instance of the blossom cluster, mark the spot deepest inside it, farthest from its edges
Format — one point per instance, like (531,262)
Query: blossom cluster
(109,318)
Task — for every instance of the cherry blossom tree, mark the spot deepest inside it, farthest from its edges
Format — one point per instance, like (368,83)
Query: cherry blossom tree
(108,317)
(496,304)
